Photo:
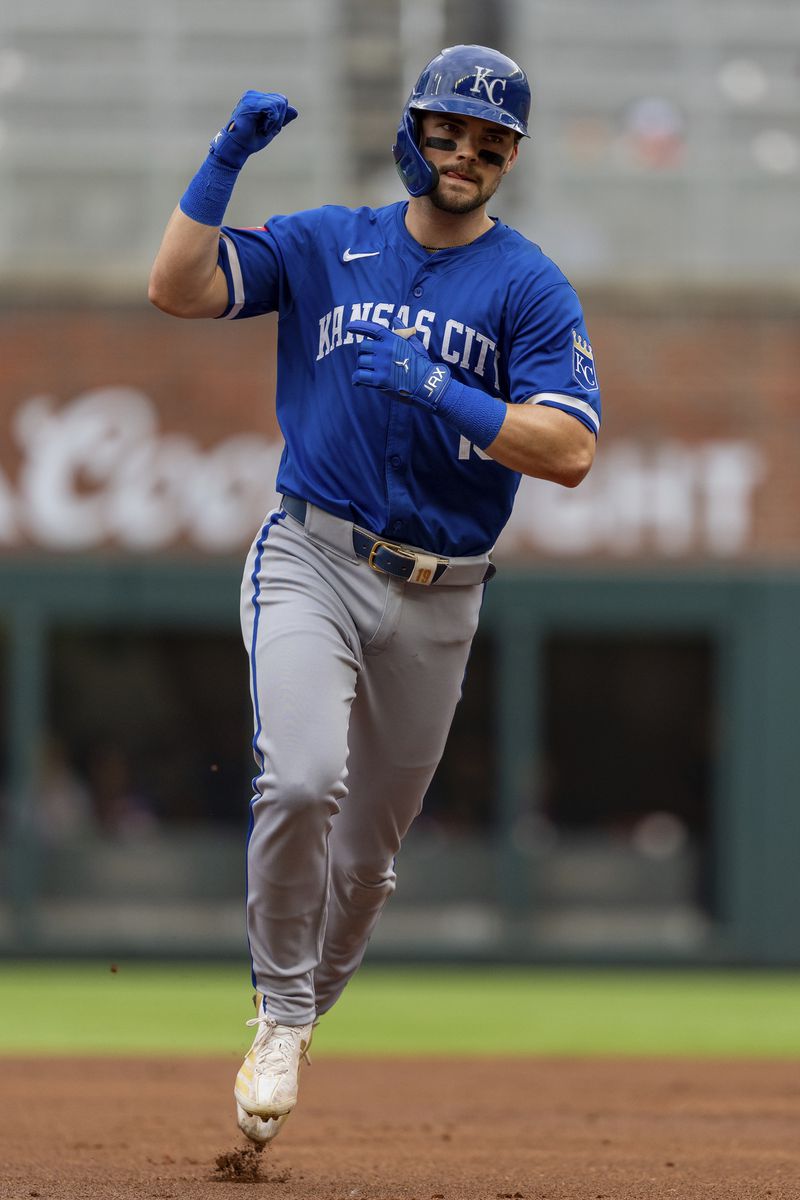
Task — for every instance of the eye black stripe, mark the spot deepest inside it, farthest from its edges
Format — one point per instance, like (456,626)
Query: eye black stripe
(440,143)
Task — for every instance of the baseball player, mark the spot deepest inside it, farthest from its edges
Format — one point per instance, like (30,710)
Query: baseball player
(428,356)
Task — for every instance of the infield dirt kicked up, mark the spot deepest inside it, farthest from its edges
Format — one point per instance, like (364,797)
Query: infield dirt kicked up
(405,1129)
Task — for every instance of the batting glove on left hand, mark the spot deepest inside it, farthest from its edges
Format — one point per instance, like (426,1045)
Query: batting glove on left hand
(398,365)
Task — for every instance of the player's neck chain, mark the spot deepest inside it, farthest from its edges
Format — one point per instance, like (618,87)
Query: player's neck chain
(455,246)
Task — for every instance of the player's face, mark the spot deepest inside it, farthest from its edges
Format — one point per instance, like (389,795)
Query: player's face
(477,156)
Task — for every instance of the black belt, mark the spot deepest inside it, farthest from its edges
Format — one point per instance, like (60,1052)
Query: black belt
(385,557)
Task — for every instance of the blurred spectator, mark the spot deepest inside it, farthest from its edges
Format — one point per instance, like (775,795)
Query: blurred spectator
(653,133)
(64,802)
(121,810)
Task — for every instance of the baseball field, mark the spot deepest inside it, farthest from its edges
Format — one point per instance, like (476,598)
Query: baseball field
(116,1079)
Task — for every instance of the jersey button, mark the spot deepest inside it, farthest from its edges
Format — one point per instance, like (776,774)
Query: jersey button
(418,292)
(397,526)
(396,460)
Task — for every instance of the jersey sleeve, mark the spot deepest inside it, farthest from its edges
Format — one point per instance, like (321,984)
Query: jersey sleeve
(265,266)
(550,360)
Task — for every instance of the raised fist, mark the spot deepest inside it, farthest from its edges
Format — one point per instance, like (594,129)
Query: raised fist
(256,120)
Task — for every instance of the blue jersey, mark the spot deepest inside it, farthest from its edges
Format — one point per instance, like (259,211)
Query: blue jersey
(498,312)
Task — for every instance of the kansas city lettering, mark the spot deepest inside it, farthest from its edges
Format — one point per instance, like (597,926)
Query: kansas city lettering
(461,344)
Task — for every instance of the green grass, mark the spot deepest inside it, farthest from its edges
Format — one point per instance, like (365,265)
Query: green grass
(85,1008)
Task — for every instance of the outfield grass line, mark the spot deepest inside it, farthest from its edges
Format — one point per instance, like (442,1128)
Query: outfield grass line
(84,1008)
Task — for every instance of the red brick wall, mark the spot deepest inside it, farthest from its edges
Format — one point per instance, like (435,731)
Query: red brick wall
(682,378)
(210,377)
(710,368)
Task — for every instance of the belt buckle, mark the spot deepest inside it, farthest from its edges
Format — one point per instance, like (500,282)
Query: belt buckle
(381,545)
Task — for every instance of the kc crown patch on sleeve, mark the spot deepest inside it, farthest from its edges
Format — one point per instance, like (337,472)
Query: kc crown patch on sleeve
(583,362)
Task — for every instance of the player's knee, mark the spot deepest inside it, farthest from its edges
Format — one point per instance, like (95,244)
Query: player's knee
(306,792)
(364,885)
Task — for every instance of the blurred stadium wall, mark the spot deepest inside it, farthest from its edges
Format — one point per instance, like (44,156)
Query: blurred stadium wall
(622,781)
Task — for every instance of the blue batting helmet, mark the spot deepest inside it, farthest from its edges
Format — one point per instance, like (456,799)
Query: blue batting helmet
(473,80)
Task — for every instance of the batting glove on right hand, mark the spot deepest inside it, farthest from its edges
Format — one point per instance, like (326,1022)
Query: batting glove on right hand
(256,120)
(400,365)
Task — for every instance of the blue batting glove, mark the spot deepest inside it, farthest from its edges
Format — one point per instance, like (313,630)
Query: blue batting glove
(398,365)
(256,120)
(403,367)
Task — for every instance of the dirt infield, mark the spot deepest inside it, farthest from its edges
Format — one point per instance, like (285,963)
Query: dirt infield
(533,1129)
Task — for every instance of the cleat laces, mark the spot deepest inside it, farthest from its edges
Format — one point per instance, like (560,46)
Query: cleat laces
(274,1052)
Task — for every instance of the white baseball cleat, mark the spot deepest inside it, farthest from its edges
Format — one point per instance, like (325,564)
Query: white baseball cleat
(266,1086)
(256,1128)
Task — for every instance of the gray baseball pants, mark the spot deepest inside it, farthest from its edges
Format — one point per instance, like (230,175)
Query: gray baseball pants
(354,678)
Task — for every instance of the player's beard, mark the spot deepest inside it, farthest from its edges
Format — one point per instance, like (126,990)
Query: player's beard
(466,203)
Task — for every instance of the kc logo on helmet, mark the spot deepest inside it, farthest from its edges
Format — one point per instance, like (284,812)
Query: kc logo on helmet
(482,80)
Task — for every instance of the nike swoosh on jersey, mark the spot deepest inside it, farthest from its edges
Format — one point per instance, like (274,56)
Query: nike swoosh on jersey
(349,256)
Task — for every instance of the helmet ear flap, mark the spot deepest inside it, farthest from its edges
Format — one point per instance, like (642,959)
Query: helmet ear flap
(418,176)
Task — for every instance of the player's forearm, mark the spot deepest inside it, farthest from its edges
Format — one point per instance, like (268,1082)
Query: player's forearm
(545,443)
(185,280)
